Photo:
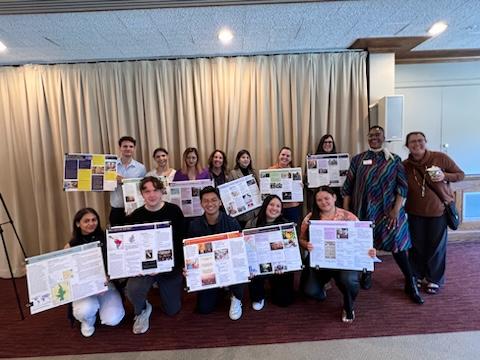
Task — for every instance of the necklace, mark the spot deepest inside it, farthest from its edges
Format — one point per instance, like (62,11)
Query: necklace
(422,185)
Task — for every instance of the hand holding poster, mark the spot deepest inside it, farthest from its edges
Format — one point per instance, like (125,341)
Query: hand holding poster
(341,244)
(285,183)
(272,249)
(132,197)
(327,169)
(63,276)
(186,195)
(90,172)
(215,261)
(142,249)
(240,196)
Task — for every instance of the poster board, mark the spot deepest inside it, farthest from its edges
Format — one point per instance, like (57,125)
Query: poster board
(272,249)
(286,183)
(140,249)
(186,195)
(215,261)
(240,196)
(341,244)
(89,172)
(63,276)
(327,169)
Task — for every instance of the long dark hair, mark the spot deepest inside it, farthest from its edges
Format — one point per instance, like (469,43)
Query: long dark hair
(237,160)
(315,208)
(262,215)
(322,141)
(210,160)
(77,235)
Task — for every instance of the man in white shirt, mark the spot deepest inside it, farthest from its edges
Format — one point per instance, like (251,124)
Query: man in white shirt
(127,168)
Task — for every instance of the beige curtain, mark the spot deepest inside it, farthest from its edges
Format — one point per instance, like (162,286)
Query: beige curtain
(260,103)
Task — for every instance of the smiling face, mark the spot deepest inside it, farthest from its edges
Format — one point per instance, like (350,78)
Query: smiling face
(151,195)
(244,161)
(273,210)
(191,159)
(328,145)
(417,145)
(87,224)
(217,160)
(285,158)
(161,158)
(376,137)
(325,201)
(211,204)
(127,148)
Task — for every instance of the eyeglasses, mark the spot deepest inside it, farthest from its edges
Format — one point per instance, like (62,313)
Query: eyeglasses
(328,142)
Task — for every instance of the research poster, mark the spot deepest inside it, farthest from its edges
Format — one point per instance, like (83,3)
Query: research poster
(140,249)
(272,249)
(327,169)
(186,194)
(63,276)
(341,244)
(240,196)
(90,172)
(285,183)
(215,261)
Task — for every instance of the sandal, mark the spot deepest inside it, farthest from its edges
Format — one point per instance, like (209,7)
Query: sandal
(432,288)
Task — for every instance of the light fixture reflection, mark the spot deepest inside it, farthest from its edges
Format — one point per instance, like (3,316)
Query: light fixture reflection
(2,46)
(225,36)
(438,28)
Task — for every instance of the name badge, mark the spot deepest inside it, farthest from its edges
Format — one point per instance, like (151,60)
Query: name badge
(367,162)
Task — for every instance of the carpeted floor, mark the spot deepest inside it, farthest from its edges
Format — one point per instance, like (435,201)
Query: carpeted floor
(382,310)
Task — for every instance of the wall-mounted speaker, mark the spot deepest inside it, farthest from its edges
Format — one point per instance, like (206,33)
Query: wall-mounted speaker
(388,113)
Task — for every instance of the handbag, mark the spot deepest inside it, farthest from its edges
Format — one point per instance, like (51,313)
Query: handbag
(451,212)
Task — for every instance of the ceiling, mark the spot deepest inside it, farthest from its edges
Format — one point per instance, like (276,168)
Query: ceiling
(161,30)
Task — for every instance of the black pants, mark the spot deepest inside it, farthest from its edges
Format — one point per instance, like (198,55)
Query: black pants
(117,216)
(429,247)
(347,282)
(281,288)
(207,300)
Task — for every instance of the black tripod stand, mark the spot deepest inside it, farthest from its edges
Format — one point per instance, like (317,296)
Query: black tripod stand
(10,221)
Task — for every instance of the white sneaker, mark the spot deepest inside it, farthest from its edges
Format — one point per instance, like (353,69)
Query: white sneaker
(235,312)
(141,323)
(258,305)
(87,330)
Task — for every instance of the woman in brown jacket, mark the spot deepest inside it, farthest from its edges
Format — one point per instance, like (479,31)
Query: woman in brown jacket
(429,175)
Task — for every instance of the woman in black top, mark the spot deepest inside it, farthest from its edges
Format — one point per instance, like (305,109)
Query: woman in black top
(87,229)
(281,283)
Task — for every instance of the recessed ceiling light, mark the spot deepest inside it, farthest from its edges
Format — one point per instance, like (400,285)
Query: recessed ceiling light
(225,36)
(438,28)
(2,46)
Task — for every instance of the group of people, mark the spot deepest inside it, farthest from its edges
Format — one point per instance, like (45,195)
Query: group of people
(375,189)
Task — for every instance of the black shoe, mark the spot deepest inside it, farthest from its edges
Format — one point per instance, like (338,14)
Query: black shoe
(411,290)
(366,280)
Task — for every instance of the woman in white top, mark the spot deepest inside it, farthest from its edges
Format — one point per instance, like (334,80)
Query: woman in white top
(160,155)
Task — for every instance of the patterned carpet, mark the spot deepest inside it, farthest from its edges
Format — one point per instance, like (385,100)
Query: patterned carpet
(383,310)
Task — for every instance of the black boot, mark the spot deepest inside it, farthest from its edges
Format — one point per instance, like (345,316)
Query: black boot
(366,279)
(411,290)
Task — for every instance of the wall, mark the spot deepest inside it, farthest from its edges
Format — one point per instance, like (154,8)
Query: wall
(443,100)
